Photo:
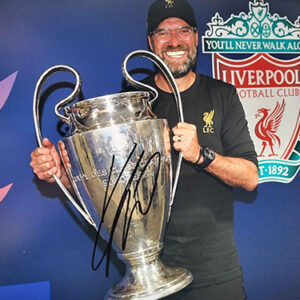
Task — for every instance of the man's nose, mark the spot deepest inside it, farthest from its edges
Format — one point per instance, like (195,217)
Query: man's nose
(174,41)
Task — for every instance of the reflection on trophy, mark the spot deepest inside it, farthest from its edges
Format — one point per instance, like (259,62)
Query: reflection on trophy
(117,155)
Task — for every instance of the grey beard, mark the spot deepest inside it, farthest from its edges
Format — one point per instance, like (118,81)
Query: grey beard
(181,71)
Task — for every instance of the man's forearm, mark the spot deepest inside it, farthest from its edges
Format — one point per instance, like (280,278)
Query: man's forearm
(237,172)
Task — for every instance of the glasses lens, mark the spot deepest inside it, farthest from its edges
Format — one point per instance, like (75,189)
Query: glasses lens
(163,35)
(182,33)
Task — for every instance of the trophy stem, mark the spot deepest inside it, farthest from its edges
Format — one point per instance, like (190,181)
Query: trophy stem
(147,278)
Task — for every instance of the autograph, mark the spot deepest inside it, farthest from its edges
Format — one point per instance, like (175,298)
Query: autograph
(126,197)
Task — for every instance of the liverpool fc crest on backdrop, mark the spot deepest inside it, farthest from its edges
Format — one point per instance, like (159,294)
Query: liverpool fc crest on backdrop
(268,87)
(267,126)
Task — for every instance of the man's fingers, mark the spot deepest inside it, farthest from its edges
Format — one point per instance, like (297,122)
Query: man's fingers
(39,159)
(46,143)
(40,155)
(184,125)
(48,175)
(43,165)
(46,171)
(45,161)
(180,132)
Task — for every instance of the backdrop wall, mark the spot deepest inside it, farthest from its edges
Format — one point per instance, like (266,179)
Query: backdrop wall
(45,246)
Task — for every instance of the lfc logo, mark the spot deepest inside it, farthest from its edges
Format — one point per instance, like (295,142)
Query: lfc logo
(208,119)
(169,3)
(269,89)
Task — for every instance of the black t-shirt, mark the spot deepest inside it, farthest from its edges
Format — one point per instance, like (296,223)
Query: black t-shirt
(199,235)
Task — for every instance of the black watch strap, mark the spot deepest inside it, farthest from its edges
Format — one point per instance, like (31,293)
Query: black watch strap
(208,155)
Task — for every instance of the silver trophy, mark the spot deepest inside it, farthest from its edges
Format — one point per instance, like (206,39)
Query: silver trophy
(117,156)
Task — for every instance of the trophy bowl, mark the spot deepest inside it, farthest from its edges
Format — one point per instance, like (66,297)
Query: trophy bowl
(117,157)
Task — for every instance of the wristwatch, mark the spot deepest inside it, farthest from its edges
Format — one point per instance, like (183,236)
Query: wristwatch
(208,156)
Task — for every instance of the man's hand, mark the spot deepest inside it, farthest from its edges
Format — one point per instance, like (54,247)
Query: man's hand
(45,162)
(186,140)
(234,171)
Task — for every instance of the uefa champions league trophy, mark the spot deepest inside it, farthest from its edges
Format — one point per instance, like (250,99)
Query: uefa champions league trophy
(119,164)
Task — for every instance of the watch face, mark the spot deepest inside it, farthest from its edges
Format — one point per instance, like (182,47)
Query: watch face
(208,156)
(209,153)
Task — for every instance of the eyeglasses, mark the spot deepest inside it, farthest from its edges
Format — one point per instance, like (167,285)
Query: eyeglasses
(183,33)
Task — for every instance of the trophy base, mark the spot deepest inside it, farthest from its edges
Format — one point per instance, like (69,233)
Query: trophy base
(149,280)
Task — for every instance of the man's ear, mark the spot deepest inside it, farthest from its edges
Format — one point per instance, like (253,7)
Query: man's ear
(150,43)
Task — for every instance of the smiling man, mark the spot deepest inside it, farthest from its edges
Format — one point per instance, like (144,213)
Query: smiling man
(218,155)
(166,41)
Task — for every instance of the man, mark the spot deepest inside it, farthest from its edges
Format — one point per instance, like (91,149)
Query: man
(218,155)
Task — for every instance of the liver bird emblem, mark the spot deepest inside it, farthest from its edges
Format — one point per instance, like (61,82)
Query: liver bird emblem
(267,127)
(169,3)
(207,118)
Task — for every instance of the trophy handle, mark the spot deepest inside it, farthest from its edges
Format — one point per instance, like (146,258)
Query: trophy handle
(36,101)
(169,77)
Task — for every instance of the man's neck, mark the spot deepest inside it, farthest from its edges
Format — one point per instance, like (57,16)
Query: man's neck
(183,83)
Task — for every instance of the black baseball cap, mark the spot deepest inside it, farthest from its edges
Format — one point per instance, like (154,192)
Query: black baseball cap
(163,9)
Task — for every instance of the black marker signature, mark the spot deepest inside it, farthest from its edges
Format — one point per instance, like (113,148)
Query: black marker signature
(125,200)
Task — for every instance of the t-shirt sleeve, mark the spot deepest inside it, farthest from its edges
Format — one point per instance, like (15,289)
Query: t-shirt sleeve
(235,135)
